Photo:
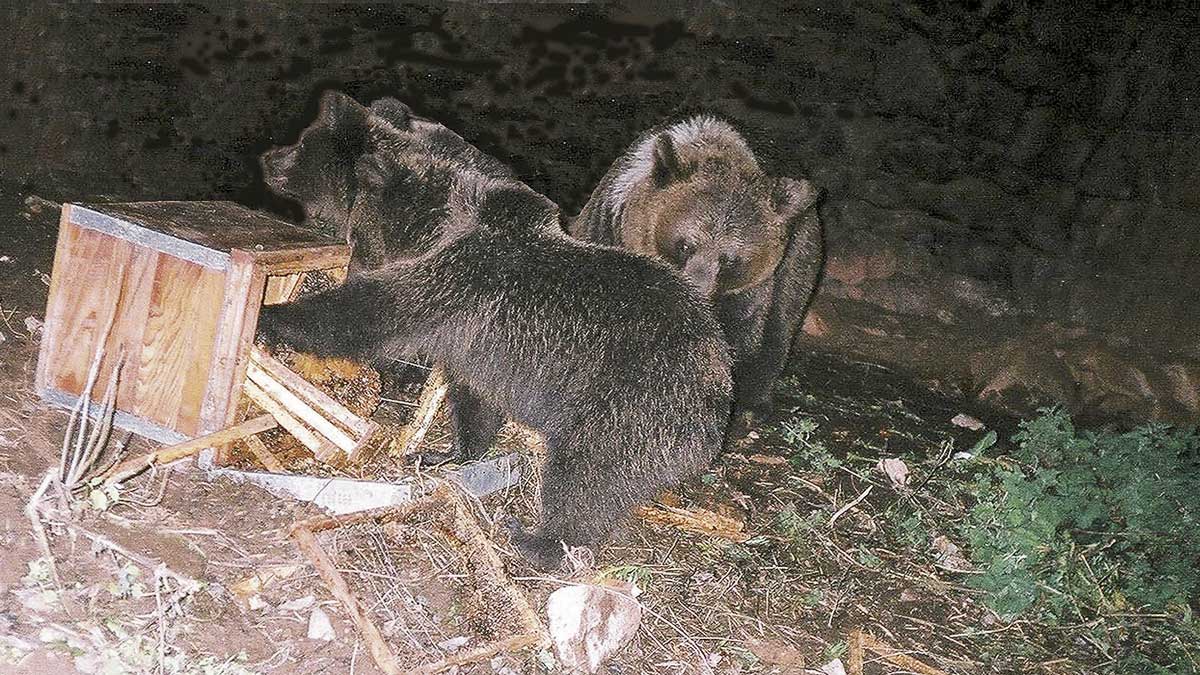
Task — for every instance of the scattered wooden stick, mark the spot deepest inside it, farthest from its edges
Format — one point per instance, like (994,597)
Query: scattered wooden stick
(302,388)
(320,448)
(861,641)
(838,514)
(148,563)
(431,399)
(101,430)
(856,652)
(135,465)
(33,512)
(337,585)
(330,430)
(478,654)
(299,408)
(699,521)
(264,456)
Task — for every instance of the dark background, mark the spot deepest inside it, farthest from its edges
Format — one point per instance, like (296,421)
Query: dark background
(1041,161)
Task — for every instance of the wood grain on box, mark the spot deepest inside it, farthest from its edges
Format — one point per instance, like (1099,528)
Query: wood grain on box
(183,283)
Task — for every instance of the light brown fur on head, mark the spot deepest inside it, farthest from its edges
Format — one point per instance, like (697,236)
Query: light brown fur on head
(691,193)
(701,202)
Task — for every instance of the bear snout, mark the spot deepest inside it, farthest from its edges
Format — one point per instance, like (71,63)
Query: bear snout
(701,271)
(276,164)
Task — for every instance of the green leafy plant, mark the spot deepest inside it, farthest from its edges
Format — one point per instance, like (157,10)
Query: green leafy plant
(806,454)
(637,575)
(1079,525)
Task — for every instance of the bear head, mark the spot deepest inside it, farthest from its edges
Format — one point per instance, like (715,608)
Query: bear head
(318,169)
(708,209)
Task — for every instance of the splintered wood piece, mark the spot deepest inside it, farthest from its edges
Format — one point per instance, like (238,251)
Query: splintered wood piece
(358,454)
(283,288)
(264,456)
(134,465)
(337,585)
(861,640)
(299,408)
(699,521)
(431,399)
(315,397)
(512,644)
(320,448)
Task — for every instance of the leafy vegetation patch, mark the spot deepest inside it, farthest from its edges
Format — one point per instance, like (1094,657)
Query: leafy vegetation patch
(1086,541)
(1077,526)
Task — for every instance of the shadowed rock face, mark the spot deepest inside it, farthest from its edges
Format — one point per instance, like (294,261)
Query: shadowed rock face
(1050,155)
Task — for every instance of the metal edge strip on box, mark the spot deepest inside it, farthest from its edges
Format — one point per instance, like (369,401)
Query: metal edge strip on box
(121,419)
(91,219)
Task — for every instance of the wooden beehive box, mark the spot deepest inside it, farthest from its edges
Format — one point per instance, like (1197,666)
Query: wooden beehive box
(181,284)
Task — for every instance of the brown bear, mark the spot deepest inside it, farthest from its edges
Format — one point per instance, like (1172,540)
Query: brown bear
(693,194)
(613,357)
(318,169)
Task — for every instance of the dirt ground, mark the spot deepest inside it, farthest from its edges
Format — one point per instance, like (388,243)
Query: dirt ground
(787,597)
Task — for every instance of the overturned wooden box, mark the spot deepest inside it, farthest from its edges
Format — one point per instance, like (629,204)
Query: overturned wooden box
(174,288)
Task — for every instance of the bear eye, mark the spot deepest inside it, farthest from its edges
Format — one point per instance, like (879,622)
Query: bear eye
(685,247)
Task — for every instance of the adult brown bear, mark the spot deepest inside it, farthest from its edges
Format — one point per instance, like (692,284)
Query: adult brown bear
(613,357)
(692,193)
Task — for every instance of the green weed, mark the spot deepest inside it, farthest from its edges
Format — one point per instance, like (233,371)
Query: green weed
(806,453)
(1097,527)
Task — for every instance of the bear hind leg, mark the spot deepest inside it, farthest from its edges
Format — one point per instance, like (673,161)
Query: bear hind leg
(581,506)
(474,424)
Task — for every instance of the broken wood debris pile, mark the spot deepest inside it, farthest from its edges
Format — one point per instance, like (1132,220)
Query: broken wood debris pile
(418,579)
(323,407)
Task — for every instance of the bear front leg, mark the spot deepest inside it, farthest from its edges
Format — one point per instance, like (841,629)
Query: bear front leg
(474,423)
(343,321)
(754,382)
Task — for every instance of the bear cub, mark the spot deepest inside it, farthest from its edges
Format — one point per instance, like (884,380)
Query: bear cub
(692,193)
(318,170)
(613,357)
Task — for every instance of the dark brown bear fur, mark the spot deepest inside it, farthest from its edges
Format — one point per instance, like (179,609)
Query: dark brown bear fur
(612,356)
(692,194)
(318,170)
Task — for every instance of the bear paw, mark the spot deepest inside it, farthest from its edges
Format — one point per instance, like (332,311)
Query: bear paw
(542,551)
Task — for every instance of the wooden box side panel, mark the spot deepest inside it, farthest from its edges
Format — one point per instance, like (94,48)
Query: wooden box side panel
(163,313)
(243,294)
(51,335)
(84,292)
(176,344)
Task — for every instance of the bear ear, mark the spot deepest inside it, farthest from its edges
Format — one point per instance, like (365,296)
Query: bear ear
(336,107)
(792,196)
(372,171)
(393,112)
(666,168)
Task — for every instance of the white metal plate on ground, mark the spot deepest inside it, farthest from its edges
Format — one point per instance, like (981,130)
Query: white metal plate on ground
(344,495)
